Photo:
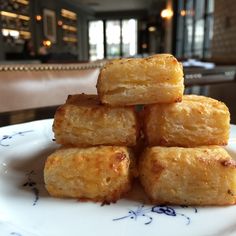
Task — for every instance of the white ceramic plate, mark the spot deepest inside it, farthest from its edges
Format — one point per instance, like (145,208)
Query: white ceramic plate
(27,210)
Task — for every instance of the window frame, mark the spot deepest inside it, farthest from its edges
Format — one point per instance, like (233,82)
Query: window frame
(181,21)
(121,38)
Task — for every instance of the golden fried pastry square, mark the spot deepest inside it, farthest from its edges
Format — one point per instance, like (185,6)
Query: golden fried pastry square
(101,173)
(83,121)
(188,176)
(195,121)
(155,79)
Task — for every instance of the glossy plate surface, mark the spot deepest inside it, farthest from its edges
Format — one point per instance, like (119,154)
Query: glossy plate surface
(26,209)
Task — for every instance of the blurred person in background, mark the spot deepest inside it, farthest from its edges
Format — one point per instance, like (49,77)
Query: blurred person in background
(28,50)
(43,51)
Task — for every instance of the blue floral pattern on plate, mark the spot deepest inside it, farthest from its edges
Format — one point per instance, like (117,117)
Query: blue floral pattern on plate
(8,137)
(141,211)
(32,185)
(15,234)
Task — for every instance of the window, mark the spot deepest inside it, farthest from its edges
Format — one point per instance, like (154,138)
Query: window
(199,29)
(180,31)
(113,38)
(194,28)
(188,35)
(129,37)
(118,39)
(209,28)
(96,45)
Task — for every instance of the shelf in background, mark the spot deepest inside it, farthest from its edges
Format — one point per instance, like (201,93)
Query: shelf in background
(69,27)
(15,21)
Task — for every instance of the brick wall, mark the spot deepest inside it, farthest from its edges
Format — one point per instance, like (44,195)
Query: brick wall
(224,37)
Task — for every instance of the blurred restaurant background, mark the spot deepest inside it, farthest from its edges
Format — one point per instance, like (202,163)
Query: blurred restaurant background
(50,48)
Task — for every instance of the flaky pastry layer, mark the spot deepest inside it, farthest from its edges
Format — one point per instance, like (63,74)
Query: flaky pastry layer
(101,173)
(195,121)
(83,121)
(188,176)
(155,79)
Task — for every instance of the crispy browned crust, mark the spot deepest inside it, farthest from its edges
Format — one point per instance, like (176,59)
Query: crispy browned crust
(101,173)
(155,79)
(82,122)
(188,176)
(195,121)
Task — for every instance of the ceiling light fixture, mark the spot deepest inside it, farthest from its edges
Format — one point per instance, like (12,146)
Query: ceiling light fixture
(152,28)
(38,18)
(60,23)
(144,46)
(182,12)
(47,43)
(167,13)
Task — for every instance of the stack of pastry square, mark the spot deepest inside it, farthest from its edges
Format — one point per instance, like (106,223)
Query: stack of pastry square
(94,161)
(181,165)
